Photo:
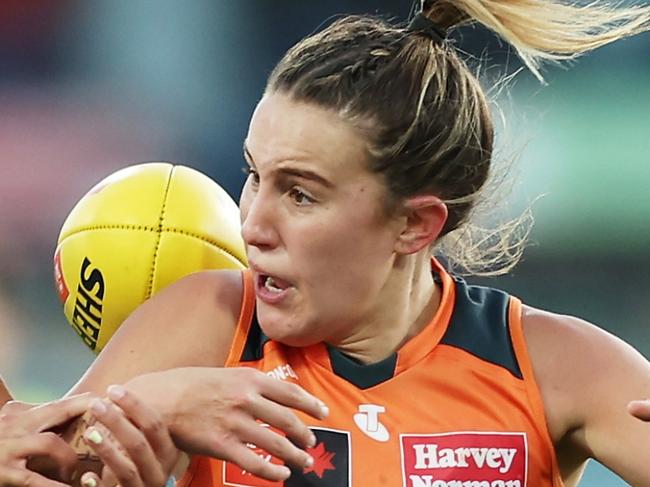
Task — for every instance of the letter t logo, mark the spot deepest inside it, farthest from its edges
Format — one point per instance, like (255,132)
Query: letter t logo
(367,419)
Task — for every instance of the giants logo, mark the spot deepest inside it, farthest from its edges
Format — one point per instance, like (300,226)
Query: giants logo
(331,466)
(465,459)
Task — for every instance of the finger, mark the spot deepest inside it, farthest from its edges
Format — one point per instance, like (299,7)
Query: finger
(91,479)
(136,444)
(275,444)
(54,413)
(248,460)
(108,478)
(112,456)
(640,409)
(47,445)
(20,477)
(118,447)
(293,396)
(283,419)
(13,407)
(146,420)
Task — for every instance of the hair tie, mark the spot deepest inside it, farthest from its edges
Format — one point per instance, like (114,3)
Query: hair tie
(421,24)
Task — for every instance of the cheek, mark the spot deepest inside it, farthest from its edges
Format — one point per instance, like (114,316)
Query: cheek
(244,203)
(342,255)
(327,242)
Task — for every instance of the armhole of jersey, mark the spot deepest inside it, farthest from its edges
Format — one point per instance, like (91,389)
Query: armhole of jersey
(532,389)
(244,321)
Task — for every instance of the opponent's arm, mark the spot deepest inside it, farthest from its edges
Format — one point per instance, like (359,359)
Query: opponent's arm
(131,442)
(24,436)
(588,377)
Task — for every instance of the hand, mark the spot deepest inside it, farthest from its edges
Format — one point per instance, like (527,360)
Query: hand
(216,411)
(131,441)
(23,435)
(640,409)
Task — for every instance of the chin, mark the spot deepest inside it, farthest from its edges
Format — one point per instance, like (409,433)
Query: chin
(286,331)
(297,341)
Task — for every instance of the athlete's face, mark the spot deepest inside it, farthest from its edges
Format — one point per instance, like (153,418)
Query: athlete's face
(318,240)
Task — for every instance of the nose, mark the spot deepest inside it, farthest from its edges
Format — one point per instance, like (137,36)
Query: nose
(258,221)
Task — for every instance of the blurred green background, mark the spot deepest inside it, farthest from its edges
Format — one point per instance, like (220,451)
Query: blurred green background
(89,87)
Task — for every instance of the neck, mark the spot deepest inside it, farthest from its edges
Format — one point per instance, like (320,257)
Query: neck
(405,306)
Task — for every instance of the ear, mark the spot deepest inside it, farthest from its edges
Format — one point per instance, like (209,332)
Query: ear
(425,217)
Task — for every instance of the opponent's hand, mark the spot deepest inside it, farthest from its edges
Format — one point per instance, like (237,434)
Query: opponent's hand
(131,441)
(23,435)
(216,412)
(640,409)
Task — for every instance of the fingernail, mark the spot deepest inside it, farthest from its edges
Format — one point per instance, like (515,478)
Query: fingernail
(309,461)
(116,392)
(93,436)
(88,481)
(312,441)
(324,410)
(285,471)
(98,407)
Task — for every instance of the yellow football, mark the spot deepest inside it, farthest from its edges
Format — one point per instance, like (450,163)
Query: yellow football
(135,232)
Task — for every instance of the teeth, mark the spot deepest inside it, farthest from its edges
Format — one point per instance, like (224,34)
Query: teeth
(269,284)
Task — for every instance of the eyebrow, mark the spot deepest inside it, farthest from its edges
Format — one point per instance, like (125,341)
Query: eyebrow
(293,171)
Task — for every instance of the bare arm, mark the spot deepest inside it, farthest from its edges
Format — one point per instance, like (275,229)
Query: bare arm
(587,378)
(189,323)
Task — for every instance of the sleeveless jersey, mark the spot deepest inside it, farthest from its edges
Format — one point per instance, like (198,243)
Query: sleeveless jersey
(456,406)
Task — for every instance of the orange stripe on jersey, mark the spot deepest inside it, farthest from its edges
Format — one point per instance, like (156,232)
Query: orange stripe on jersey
(534,395)
(456,406)
(244,321)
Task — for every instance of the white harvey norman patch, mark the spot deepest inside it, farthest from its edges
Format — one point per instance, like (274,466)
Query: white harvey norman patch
(465,459)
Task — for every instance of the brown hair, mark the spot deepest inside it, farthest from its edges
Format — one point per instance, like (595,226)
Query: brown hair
(425,115)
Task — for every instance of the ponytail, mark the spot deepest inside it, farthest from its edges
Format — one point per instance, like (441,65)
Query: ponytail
(540,30)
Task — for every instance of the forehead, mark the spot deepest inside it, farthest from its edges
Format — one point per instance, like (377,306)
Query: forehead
(282,129)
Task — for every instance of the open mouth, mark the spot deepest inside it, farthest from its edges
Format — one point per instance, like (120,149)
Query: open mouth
(272,284)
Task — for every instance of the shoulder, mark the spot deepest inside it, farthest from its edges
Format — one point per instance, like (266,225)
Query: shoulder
(586,377)
(189,323)
(197,313)
(215,292)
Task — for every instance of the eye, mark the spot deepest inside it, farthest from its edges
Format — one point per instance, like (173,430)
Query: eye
(251,173)
(300,197)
